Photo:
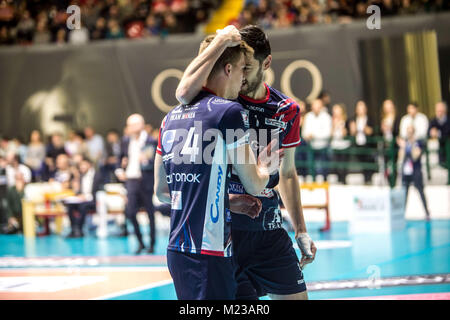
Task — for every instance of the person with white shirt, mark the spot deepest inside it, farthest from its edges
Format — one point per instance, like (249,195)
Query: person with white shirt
(85,184)
(415,118)
(317,132)
(94,144)
(137,162)
(14,166)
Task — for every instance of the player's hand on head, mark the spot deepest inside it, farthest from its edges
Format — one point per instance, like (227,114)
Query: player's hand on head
(245,204)
(230,34)
(270,157)
(307,248)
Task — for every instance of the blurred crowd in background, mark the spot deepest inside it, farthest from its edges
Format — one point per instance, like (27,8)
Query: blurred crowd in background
(287,13)
(83,161)
(38,21)
(326,130)
(32,22)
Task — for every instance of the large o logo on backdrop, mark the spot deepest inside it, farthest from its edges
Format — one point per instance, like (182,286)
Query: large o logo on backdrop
(313,70)
(157,85)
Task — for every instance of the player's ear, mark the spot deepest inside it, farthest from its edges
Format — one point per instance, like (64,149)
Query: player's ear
(267,62)
(227,69)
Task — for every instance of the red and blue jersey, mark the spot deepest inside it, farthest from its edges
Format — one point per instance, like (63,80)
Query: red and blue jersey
(279,115)
(193,145)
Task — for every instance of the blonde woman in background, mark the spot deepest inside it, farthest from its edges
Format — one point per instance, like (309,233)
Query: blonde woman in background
(339,143)
(35,155)
(390,126)
(390,123)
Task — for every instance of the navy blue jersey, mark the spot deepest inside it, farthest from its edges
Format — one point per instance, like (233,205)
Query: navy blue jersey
(280,116)
(193,145)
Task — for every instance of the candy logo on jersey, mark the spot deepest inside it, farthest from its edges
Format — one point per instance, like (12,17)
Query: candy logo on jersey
(215,218)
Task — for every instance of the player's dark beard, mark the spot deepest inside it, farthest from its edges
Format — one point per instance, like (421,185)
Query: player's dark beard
(253,86)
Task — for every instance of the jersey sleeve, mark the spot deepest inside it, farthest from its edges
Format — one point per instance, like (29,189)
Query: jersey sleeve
(159,148)
(233,126)
(292,138)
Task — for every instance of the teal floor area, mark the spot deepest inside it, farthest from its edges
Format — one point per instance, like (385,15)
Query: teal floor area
(421,248)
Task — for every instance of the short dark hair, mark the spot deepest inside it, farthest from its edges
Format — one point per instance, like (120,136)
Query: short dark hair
(415,104)
(231,55)
(256,38)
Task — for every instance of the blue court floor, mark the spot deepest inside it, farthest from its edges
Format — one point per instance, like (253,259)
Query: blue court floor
(413,261)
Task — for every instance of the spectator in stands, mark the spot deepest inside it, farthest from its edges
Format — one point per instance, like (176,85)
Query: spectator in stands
(25,28)
(390,124)
(75,144)
(61,36)
(5,36)
(35,156)
(361,127)
(99,31)
(85,183)
(42,34)
(8,146)
(21,148)
(301,154)
(14,167)
(112,155)
(326,100)
(14,198)
(416,119)
(114,30)
(410,154)
(64,172)
(317,133)
(137,160)
(339,143)
(151,26)
(3,194)
(94,144)
(53,150)
(440,130)
(4,141)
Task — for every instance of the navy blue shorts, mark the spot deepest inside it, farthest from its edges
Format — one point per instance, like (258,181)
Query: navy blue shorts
(201,276)
(266,262)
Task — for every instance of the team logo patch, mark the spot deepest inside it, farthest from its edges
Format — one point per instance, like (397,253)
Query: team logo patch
(244,114)
(176,200)
(275,123)
(168,139)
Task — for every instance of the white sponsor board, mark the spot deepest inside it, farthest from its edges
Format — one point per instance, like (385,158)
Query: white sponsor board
(379,210)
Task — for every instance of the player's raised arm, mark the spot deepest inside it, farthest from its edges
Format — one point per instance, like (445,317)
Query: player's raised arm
(199,69)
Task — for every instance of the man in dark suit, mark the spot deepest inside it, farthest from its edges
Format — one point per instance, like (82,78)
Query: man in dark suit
(137,162)
(86,182)
(440,129)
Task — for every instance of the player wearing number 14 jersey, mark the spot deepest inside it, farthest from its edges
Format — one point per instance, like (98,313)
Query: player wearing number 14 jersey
(263,251)
(192,172)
